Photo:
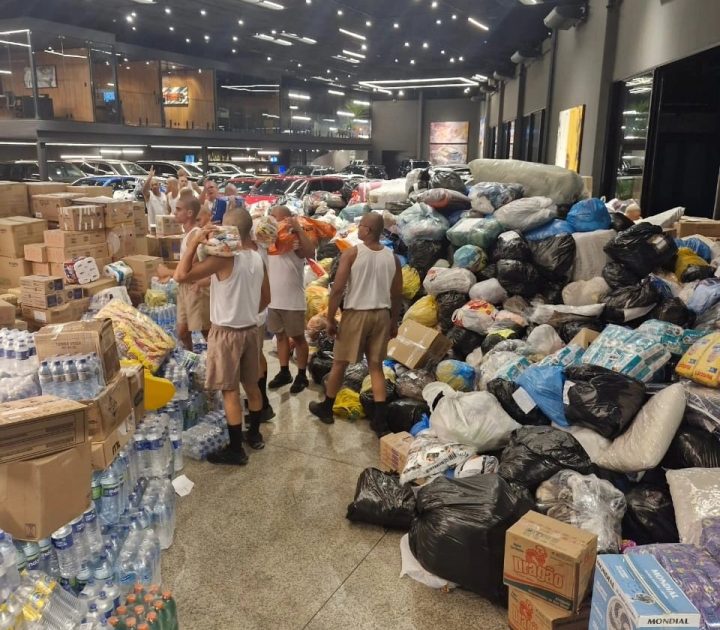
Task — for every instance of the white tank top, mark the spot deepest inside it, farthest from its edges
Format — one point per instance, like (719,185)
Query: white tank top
(156,205)
(371,277)
(235,301)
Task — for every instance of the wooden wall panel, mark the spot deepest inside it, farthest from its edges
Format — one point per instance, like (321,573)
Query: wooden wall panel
(201,96)
(140,95)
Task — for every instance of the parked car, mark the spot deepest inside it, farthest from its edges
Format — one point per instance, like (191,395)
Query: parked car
(310,170)
(170,168)
(99,166)
(29,171)
(368,171)
(245,185)
(408,165)
(227,167)
(124,186)
(270,190)
(307,185)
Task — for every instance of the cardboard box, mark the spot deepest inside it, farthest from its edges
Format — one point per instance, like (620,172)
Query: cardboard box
(62,254)
(144,268)
(41,269)
(14,199)
(634,592)
(43,300)
(120,240)
(103,452)
(170,247)
(153,246)
(141,244)
(140,219)
(82,218)
(135,375)
(706,227)
(36,252)
(584,338)
(549,559)
(40,495)
(81,338)
(115,211)
(38,426)
(394,449)
(110,408)
(167,225)
(42,284)
(66,238)
(416,344)
(7,314)
(69,312)
(20,325)
(526,612)
(90,191)
(16,232)
(43,188)
(48,206)
(11,270)
(93,288)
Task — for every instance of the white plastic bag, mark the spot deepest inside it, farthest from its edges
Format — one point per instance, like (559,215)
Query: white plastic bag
(546,313)
(585,292)
(475,418)
(489,290)
(477,465)
(412,568)
(593,443)
(476,315)
(544,340)
(648,438)
(501,363)
(696,496)
(475,358)
(430,456)
(590,258)
(441,280)
(525,214)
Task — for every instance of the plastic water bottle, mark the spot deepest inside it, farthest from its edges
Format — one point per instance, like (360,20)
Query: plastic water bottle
(46,379)
(72,388)
(176,440)
(7,549)
(104,605)
(87,388)
(32,556)
(58,375)
(82,545)
(66,551)
(23,364)
(48,559)
(92,531)
(110,497)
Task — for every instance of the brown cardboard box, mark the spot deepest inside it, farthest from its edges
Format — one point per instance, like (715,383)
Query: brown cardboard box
(48,206)
(43,300)
(62,254)
(82,218)
(153,246)
(141,243)
(69,312)
(80,338)
(7,314)
(38,426)
(11,270)
(90,191)
(584,338)
(103,452)
(394,449)
(115,211)
(20,325)
(144,268)
(416,344)
(707,227)
(93,288)
(526,612)
(66,238)
(44,188)
(42,284)
(40,495)
(14,199)
(167,225)
(36,252)
(16,232)
(41,269)
(120,240)
(135,375)
(549,559)
(110,408)
(170,247)
(140,220)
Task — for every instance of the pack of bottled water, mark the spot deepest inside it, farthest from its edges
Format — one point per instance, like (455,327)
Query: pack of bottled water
(18,356)
(169,288)
(199,342)
(210,434)
(164,316)
(76,377)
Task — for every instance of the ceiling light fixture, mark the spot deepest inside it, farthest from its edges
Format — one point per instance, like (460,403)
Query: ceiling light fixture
(268,152)
(298,38)
(241,22)
(353,54)
(336,92)
(474,22)
(438,21)
(299,97)
(396,25)
(187,40)
(5,72)
(434,4)
(328,120)
(270,116)
(129,18)
(269,58)
(401,93)
(365,103)
(203,12)
(368,23)
(266,4)
(454,16)
(168,10)
(352,34)
(339,11)
(407,44)
(272,40)
(301,118)
(409,84)
(362,121)
(346,59)
(412,62)
(293,107)
(345,114)
(171,28)
(235,38)
(425,45)
(207,38)
(479,77)
(234,50)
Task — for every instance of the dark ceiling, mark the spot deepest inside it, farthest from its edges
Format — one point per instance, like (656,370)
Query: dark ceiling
(452,47)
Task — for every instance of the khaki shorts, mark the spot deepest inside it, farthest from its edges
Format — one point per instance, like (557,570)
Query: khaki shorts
(261,335)
(292,323)
(363,332)
(233,356)
(193,308)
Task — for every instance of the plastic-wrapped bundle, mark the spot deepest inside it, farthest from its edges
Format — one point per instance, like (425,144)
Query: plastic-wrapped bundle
(696,496)
(705,295)
(265,230)
(565,356)
(447,304)
(650,515)
(629,303)
(421,223)
(590,257)
(380,499)
(354,376)
(486,197)
(554,257)
(320,365)
(424,311)
(444,199)
(501,331)
(287,240)
(641,248)
(556,227)
(470,257)
(618,276)
(404,413)
(225,242)
(19,387)
(478,465)
(585,292)
(586,502)
(667,334)
(699,363)
(316,300)
(619,222)
(589,215)
(518,278)
(422,255)
(354,211)
(503,364)
(459,375)
(450,180)
(689,266)
(703,407)
(527,213)
(410,384)
(347,405)
(416,180)
(457,515)
(674,311)
(511,246)
(429,456)
(519,406)
(480,232)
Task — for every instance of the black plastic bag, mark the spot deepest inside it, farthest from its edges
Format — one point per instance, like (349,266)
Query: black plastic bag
(642,248)
(650,515)
(619,222)
(355,375)
(324,342)
(697,272)
(448,179)
(404,413)
(618,275)
(554,257)
(569,329)
(518,278)
(602,400)
(459,531)
(489,272)
(410,384)
(693,448)
(503,390)
(367,399)
(380,499)
(319,365)
(422,255)
(494,338)
(328,250)
(618,302)
(673,310)
(464,341)
(552,291)
(447,304)
(535,454)
(511,249)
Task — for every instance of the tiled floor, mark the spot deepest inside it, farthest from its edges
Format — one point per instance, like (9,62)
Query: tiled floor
(268,545)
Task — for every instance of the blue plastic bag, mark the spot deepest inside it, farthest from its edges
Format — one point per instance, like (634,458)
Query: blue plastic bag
(422,425)
(458,374)
(470,257)
(545,384)
(705,296)
(589,215)
(699,247)
(556,227)
(354,211)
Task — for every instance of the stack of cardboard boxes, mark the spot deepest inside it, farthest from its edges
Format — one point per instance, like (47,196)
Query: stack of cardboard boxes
(119,222)
(46,199)
(14,199)
(142,227)
(15,233)
(47,300)
(144,268)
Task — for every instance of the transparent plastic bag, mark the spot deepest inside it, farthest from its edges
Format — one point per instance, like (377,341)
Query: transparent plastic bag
(441,280)
(489,290)
(696,496)
(476,315)
(525,214)
(430,456)
(486,197)
(421,223)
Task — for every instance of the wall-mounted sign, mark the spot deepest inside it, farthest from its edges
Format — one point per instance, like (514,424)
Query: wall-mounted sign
(449,132)
(46,77)
(175,96)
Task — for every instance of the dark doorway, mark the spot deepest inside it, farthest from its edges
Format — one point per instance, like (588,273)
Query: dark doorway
(391,161)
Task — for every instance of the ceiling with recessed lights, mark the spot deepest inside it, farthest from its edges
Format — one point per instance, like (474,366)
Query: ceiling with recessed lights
(354,40)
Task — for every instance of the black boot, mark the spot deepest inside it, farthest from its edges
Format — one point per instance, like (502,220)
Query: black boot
(300,383)
(267,410)
(379,422)
(234,454)
(254,437)
(323,410)
(283,377)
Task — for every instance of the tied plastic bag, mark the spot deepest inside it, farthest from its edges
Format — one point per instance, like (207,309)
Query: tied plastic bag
(705,295)
(476,315)
(587,502)
(316,324)
(517,403)
(545,385)
(601,400)
(696,496)
(354,211)
(537,453)
(700,362)
(478,465)
(422,255)
(355,375)
(316,300)
(460,376)
(380,499)
(693,448)
(480,232)
(511,246)
(503,364)
(265,230)
(618,276)
(347,405)
(585,292)
(486,197)
(641,248)
(410,384)
(518,278)
(589,215)
(447,304)
(629,303)
(489,290)
(421,223)
(650,515)
(441,280)
(424,312)
(464,342)
(442,178)
(444,199)
(470,257)
(287,241)
(648,438)
(411,282)
(674,311)
(413,569)
(593,443)
(556,227)
(689,266)
(475,418)
(457,515)
(544,340)
(554,257)
(429,456)
(590,258)
(405,413)
(526,214)
(320,365)
(703,407)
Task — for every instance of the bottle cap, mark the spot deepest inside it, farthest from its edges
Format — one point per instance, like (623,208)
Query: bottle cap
(139,611)
(151,616)
(122,611)
(130,622)
(166,595)
(114,621)
(148,599)
(143,626)
(159,604)
(138,588)
(131,599)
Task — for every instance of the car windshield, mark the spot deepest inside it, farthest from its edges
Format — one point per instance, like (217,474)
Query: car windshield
(273,187)
(193,170)
(301,170)
(64,170)
(293,188)
(244,188)
(130,168)
(354,169)
(328,185)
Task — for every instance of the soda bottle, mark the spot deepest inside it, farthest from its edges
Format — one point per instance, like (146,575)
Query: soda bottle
(131,623)
(171,610)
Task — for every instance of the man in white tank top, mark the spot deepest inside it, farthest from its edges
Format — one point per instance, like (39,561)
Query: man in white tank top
(239,291)
(155,200)
(371,273)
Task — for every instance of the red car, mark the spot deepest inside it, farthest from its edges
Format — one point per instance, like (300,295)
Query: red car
(270,190)
(245,185)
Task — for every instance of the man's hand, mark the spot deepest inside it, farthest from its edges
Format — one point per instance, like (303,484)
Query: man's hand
(332,328)
(294,223)
(201,236)
(393,330)
(151,173)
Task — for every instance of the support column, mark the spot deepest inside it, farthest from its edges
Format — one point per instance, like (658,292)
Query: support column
(549,97)
(205,159)
(519,117)
(419,145)
(42,160)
